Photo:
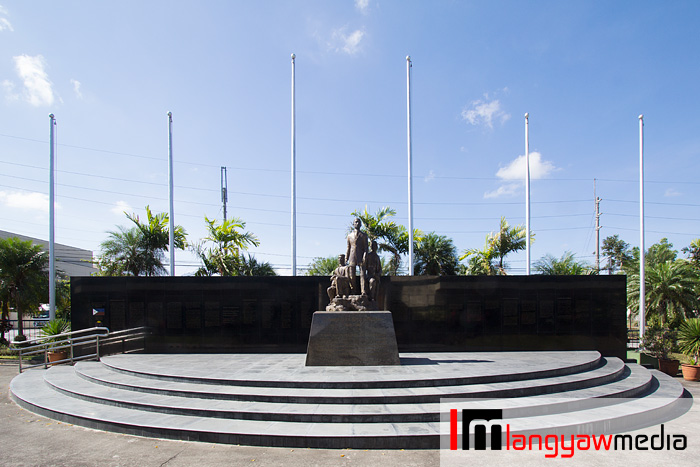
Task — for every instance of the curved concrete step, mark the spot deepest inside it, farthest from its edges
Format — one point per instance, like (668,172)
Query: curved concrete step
(610,370)
(635,382)
(416,369)
(30,391)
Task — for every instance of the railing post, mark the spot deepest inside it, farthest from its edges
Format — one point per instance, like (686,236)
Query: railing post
(70,341)
(97,346)
(20,360)
(46,357)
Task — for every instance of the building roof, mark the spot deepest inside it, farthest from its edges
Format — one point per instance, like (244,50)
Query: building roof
(72,261)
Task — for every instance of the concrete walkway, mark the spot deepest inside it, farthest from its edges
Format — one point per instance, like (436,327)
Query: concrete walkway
(30,440)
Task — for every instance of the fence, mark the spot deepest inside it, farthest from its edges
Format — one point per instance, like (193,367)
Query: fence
(31,328)
(84,344)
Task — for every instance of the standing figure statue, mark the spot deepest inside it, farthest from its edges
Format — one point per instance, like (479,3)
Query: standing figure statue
(373,266)
(357,247)
(340,283)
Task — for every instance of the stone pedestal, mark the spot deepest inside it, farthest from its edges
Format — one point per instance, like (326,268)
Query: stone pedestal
(352,338)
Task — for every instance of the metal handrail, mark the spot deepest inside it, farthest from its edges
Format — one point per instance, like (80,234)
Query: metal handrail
(98,336)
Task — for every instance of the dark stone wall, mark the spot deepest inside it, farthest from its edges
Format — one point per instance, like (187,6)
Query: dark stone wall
(273,314)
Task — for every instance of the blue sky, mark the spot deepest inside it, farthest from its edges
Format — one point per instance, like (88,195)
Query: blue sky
(584,71)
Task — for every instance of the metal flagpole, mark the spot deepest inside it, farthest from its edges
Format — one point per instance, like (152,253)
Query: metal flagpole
(642,279)
(527,191)
(170,185)
(294,177)
(52,220)
(410,165)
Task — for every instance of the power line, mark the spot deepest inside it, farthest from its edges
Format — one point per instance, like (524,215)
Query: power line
(445,177)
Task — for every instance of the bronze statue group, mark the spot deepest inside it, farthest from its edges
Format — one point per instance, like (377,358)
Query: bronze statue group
(344,281)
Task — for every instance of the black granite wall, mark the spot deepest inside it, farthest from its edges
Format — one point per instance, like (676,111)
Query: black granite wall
(273,314)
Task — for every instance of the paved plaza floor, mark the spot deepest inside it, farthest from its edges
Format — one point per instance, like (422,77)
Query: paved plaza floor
(27,439)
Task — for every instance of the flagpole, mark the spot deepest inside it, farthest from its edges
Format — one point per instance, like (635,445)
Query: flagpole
(170,186)
(410,165)
(294,176)
(52,221)
(642,279)
(527,191)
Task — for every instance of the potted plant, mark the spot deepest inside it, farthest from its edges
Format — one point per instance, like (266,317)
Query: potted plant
(689,341)
(659,342)
(49,331)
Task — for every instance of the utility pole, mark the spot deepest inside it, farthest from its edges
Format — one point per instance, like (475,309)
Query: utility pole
(597,228)
(224,189)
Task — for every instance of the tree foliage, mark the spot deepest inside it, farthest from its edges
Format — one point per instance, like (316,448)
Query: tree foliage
(490,260)
(567,265)
(23,278)
(139,250)
(221,251)
(436,255)
(689,339)
(671,292)
(322,266)
(617,252)
(693,252)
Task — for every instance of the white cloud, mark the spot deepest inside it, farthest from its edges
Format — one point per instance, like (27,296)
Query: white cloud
(516,169)
(342,41)
(9,88)
(76,87)
(430,177)
(514,174)
(121,207)
(28,201)
(38,89)
(362,6)
(672,192)
(5,24)
(485,113)
(508,189)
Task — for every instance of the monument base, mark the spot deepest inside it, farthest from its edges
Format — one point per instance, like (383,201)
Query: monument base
(352,303)
(352,338)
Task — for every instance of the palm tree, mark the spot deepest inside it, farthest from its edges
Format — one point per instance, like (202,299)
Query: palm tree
(567,265)
(671,291)
(508,240)
(490,259)
(122,254)
(225,242)
(23,275)
(141,249)
(436,255)
(249,266)
(155,240)
(480,262)
(322,266)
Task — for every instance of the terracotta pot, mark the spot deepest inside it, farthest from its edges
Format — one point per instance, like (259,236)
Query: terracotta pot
(56,356)
(670,367)
(691,372)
